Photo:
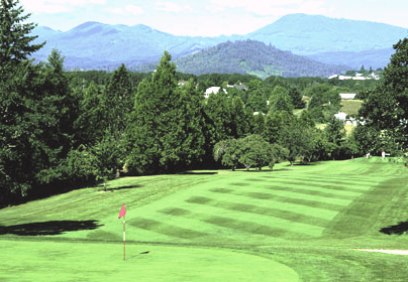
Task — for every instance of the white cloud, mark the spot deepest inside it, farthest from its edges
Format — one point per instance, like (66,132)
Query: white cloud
(56,6)
(127,10)
(173,7)
(268,7)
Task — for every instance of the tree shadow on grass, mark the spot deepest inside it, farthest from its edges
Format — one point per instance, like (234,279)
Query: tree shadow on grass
(198,173)
(118,188)
(49,227)
(399,229)
(258,171)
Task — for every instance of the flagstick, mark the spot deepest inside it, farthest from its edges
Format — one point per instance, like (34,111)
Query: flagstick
(124,239)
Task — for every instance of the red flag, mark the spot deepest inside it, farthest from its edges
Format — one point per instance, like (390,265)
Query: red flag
(122,212)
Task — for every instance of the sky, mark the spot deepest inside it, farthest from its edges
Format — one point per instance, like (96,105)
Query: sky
(207,17)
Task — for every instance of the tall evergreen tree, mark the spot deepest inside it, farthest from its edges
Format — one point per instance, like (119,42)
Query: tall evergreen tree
(219,110)
(117,101)
(165,133)
(15,99)
(16,42)
(241,118)
(88,127)
(280,100)
(296,97)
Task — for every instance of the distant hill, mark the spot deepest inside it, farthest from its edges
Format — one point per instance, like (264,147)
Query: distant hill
(372,58)
(107,46)
(307,34)
(94,45)
(252,57)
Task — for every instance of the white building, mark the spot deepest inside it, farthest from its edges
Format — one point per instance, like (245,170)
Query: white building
(347,96)
(213,90)
(341,116)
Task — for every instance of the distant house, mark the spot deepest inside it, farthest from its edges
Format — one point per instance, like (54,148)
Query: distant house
(347,96)
(344,77)
(213,90)
(341,116)
(356,76)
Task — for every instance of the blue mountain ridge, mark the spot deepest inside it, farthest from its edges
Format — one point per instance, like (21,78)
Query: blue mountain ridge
(94,45)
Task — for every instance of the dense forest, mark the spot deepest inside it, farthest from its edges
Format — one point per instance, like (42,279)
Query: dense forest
(253,57)
(60,130)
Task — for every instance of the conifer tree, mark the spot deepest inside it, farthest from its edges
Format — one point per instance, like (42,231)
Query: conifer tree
(16,75)
(16,42)
(165,129)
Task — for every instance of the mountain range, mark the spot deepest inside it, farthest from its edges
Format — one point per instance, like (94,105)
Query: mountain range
(350,43)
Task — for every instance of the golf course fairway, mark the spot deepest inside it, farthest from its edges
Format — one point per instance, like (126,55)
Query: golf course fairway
(295,223)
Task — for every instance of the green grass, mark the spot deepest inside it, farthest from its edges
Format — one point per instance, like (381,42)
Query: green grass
(300,223)
(351,107)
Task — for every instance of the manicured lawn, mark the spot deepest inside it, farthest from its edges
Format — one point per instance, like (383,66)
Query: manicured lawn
(294,223)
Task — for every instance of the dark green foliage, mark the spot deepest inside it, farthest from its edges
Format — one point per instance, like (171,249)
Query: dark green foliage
(367,139)
(117,101)
(15,132)
(106,158)
(255,152)
(36,108)
(386,106)
(241,118)
(16,42)
(89,126)
(250,151)
(296,97)
(165,132)
(274,123)
(280,100)
(324,101)
(258,95)
(228,152)
(335,136)
(258,124)
(334,131)
(303,142)
(53,113)
(307,118)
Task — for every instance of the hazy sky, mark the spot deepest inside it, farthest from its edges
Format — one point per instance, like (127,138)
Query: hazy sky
(207,17)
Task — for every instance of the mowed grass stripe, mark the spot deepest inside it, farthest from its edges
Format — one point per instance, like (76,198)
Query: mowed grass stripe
(313,211)
(164,228)
(358,186)
(189,218)
(262,192)
(333,185)
(332,188)
(267,211)
(229,223)
(260,219)
(269,196)
(245,224)
(314,191)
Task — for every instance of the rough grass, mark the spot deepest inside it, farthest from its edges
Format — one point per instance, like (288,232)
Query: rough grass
(294,223)
(351,107)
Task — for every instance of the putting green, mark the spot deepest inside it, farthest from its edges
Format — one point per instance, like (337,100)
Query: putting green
(42,260)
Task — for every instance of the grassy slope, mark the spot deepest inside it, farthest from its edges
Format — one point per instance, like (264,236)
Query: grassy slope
(351,107)
(310,218)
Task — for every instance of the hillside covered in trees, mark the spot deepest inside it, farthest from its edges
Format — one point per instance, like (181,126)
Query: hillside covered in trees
(253,57)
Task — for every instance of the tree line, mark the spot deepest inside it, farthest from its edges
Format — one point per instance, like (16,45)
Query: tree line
(61,130)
